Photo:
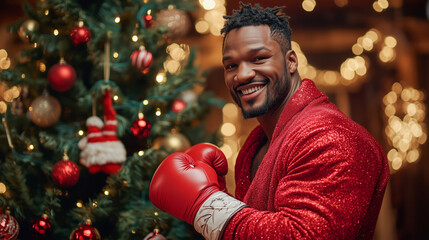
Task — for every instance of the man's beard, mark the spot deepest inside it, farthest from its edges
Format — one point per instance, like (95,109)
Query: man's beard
(272,99)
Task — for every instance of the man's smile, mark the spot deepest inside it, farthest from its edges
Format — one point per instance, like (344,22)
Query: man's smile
(250,88)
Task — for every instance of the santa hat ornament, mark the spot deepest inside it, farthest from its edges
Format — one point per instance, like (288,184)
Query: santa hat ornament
(101,149)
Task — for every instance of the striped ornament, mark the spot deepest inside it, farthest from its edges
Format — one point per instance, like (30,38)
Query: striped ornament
(141,59)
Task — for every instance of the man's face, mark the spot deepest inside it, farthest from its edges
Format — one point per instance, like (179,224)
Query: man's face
(255,70)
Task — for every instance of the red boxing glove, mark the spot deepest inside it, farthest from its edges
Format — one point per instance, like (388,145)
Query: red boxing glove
(214,157)
(180,186)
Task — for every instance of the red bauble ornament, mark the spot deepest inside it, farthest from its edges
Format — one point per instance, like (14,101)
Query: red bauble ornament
(9,228)
(80,34)
(65,173)
(155,235)
(148,20)
(178,106)
(61,76)
(41,227)
(141,127)
(141,59)
(85,232)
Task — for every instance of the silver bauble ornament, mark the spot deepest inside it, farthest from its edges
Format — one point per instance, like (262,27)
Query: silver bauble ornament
(177,22)
(45,111)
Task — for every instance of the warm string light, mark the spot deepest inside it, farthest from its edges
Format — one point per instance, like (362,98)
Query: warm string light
(160,77)
(308,5)
(405,129)
(352,70)
(30,147)
(212,21)
(177,56)
(229,130)
(135,36)
(4,60)
(3,188)
(380,5)
(8,95)
(388,53)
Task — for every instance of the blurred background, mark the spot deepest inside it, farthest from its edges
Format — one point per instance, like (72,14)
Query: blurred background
(371,57)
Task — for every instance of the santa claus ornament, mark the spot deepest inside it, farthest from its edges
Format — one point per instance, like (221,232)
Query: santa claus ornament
(101,149)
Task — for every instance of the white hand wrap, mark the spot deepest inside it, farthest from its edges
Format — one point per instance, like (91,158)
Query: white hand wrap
(215,212)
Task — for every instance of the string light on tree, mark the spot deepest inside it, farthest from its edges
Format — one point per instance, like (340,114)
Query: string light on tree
(161,78)
(4,60)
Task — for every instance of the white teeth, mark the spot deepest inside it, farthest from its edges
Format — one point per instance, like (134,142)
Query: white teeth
(250,90)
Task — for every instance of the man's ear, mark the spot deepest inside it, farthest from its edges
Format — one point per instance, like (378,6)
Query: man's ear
(291,61)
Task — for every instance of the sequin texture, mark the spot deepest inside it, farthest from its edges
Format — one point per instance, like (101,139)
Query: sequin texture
(323,177)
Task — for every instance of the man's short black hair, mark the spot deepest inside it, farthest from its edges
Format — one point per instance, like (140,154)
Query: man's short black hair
(254,16)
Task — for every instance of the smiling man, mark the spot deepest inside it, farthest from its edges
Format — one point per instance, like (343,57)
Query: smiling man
(306,171)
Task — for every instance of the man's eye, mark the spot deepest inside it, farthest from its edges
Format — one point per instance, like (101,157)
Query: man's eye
(258,59)
(230,66)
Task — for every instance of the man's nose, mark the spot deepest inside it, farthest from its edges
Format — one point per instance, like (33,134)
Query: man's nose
(244,73)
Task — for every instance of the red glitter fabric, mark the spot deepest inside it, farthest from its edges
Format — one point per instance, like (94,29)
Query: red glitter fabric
(323,177)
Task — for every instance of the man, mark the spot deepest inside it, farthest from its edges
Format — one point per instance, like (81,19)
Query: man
(306,172)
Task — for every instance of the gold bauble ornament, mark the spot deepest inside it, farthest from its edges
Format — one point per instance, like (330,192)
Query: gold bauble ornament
(176,142)
(45,110)
(28,27)
(177,22)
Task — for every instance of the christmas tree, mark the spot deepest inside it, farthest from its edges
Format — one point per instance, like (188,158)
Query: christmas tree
(101,95)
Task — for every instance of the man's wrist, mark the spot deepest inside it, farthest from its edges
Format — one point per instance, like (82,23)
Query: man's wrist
(213,216)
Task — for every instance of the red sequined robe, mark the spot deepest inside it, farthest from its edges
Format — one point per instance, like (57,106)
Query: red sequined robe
(323,177)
